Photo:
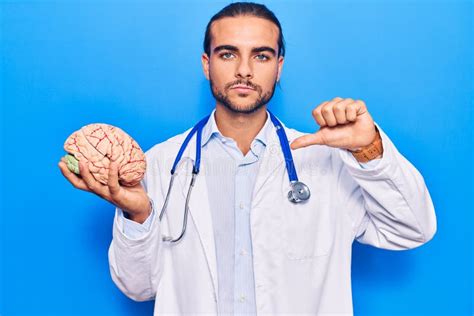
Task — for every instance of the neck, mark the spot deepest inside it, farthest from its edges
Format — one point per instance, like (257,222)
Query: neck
(240,127)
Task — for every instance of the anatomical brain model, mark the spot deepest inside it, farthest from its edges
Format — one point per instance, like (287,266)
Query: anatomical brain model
(97,144)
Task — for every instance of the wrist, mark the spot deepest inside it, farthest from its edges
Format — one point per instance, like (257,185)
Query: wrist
(140,216)
(372,151)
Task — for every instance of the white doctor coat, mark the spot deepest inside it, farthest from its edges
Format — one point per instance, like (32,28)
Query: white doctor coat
(302,252)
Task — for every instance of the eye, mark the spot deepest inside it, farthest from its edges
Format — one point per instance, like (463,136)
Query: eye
(262,57)
(226,55)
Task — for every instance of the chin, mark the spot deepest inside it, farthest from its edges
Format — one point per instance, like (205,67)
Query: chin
(243,102)
(247,108)
(242,107)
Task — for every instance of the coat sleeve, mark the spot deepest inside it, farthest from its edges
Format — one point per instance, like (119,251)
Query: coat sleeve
(388,203)
(135,260)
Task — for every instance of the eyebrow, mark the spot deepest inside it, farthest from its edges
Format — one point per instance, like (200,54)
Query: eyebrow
(254,50)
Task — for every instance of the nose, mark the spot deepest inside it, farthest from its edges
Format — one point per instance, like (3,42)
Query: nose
(244,70)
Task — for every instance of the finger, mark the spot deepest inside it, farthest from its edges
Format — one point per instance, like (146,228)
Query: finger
(328,114)
(307,140)
(339,110)
(318,116)
(361,108)
(351,112)
(89,179)
(113,181)
(76,182)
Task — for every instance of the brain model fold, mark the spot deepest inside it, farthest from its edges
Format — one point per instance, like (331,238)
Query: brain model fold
(99,143)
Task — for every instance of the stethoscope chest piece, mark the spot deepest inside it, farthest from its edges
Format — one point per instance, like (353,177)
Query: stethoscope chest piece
(299,192)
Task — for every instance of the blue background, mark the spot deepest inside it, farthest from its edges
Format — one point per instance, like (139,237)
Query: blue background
(136,64)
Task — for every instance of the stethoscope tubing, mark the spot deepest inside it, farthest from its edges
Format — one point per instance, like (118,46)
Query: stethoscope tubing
(299,191)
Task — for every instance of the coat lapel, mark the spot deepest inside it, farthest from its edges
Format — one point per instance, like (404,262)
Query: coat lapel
(199,208)
(272,159)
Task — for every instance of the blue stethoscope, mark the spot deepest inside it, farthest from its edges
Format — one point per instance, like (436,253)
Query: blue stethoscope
(299,191)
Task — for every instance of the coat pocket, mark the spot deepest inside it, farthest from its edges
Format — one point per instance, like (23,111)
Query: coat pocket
(308,229)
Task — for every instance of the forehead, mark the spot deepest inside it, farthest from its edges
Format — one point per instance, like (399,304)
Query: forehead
(242,31)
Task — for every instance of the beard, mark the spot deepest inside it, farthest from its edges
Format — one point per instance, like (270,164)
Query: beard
(223,98)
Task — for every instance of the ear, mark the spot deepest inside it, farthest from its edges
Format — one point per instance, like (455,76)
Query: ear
(281,60)
(205,64)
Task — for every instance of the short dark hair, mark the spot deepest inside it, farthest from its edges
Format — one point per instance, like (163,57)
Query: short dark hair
(244,8)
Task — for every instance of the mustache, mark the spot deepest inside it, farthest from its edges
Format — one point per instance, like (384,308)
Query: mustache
(242,82)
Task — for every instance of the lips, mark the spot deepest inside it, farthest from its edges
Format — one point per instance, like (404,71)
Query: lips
(242,88)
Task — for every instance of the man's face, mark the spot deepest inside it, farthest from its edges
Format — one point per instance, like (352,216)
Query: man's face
(244,53)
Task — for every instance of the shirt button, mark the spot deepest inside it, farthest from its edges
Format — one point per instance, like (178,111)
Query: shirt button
(243,252)
(242,298)
(241,205)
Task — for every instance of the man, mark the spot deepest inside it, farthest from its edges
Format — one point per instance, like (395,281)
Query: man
(247,248)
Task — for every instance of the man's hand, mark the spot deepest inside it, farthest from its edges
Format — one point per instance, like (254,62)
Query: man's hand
(344,123)
(133,200)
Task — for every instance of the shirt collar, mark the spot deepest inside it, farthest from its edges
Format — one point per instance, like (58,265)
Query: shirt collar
(210,130)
